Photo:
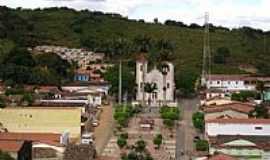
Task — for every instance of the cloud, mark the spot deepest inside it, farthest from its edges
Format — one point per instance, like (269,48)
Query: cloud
(229,13)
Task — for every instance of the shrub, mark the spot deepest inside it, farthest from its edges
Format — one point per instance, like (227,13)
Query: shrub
(122,114)
(140,146)
(202,145)
(124,135)
(198,120)
(158,140)
(27,97)
(2,102)
(244,95)
(121,142)
(169,113)
(168,122)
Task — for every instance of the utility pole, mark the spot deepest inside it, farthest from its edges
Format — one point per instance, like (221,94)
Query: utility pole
(120,83)
(264,43)
(206,68)
(143,84)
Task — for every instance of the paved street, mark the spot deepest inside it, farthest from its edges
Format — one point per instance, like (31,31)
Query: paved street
(185,131)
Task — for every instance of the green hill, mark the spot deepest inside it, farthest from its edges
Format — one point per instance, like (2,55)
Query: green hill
(67,27)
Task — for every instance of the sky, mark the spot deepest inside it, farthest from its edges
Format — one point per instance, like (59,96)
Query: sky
(228,13)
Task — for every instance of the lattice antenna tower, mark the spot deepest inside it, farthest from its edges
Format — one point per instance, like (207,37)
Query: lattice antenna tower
(206,70)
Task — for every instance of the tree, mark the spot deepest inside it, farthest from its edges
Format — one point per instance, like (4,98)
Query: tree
(128,80)
(185,81)
(202,145)
(243,96)
(260,111)
(260,86)
(2,102)
(156,20)
(20,57)
(165,50)
(221,56)
(158,140)
(169,123)
(28,97)
(170,113)
(198,120)
(121,142)
(164,70)
(150,88)
(143,43)
(140,146)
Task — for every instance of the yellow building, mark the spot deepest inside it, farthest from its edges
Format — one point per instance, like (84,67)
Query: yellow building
(42,120)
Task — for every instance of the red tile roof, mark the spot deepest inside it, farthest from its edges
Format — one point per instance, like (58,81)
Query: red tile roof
(221,157)
(10,146)
(48,138)
(240,107)
(226,77)
(83,71)
(141,57)
(239,121)
(46,89)
(258,142)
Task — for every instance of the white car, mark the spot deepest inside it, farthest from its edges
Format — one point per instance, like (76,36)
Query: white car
(95,123)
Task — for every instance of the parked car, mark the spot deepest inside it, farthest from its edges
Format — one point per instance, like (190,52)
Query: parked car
(95,123)
(196,138)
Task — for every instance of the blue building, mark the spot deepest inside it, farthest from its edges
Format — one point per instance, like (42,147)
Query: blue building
(82,75)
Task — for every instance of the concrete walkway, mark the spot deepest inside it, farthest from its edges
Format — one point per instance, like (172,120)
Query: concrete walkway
(104,131)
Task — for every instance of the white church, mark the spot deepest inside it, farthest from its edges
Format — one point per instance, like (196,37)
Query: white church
(164,93)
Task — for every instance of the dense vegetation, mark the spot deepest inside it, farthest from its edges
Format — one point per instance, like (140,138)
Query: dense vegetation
(100,32)
(243,96)
(5,156)
(21,67)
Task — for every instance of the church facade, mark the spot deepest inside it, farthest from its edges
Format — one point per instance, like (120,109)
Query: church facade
(164,82)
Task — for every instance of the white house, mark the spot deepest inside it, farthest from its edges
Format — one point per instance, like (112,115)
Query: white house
(164,82)
(229,83)
(232,127)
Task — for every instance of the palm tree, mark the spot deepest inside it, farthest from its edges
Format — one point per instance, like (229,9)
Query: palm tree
(165,49)
(260,86)
(164,71)
(143,44)
(150,88)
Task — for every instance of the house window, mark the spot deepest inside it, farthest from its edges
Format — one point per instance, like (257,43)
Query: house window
(168,85)
(141,68)
(218,82)
(258,128)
